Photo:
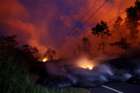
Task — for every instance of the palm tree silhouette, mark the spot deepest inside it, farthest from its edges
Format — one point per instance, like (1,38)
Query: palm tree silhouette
(101,30)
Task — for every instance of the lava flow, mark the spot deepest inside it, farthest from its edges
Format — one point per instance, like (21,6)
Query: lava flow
(45,59)
(86,63)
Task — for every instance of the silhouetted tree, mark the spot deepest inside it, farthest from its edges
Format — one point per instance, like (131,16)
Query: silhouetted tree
(132,18)
(132,14)
(101,30)
(14,75)
(131,22)
(86,45)
(122,43)
(30,53)
(137,4)
(8,41)
(8,46)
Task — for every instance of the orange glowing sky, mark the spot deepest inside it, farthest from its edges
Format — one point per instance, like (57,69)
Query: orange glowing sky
(56,23)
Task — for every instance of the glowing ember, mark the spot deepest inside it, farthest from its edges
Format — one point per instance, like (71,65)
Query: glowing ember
(45,59)
(86,63)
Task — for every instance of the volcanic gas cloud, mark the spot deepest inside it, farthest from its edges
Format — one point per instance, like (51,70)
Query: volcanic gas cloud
(58,24)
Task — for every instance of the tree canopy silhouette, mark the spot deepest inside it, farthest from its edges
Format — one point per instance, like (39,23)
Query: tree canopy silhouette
(101,29)
(137,4)
(133,15)
(122,43)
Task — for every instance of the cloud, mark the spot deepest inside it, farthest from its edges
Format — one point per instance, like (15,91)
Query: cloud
(11,9)
(14,19)
(56,23)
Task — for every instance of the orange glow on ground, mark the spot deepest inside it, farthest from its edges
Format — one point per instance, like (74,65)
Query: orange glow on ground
(86,63)
(45,59)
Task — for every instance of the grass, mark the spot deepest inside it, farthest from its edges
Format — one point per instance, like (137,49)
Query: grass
(15,79)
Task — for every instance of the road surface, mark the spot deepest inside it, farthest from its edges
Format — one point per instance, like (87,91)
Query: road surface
(117,88)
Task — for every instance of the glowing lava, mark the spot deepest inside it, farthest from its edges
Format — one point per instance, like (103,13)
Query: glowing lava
(45,59)
(86,63)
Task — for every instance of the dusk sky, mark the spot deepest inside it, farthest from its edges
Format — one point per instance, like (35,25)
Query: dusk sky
(56,23)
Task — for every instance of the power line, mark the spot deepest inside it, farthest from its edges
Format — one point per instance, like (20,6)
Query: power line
(89,10)
(96,11)
(92,15)
(84,16)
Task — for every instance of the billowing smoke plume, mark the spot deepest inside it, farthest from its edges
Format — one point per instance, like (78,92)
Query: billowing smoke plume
(58,24)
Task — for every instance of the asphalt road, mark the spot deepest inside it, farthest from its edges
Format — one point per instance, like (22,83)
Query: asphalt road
(116,88)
